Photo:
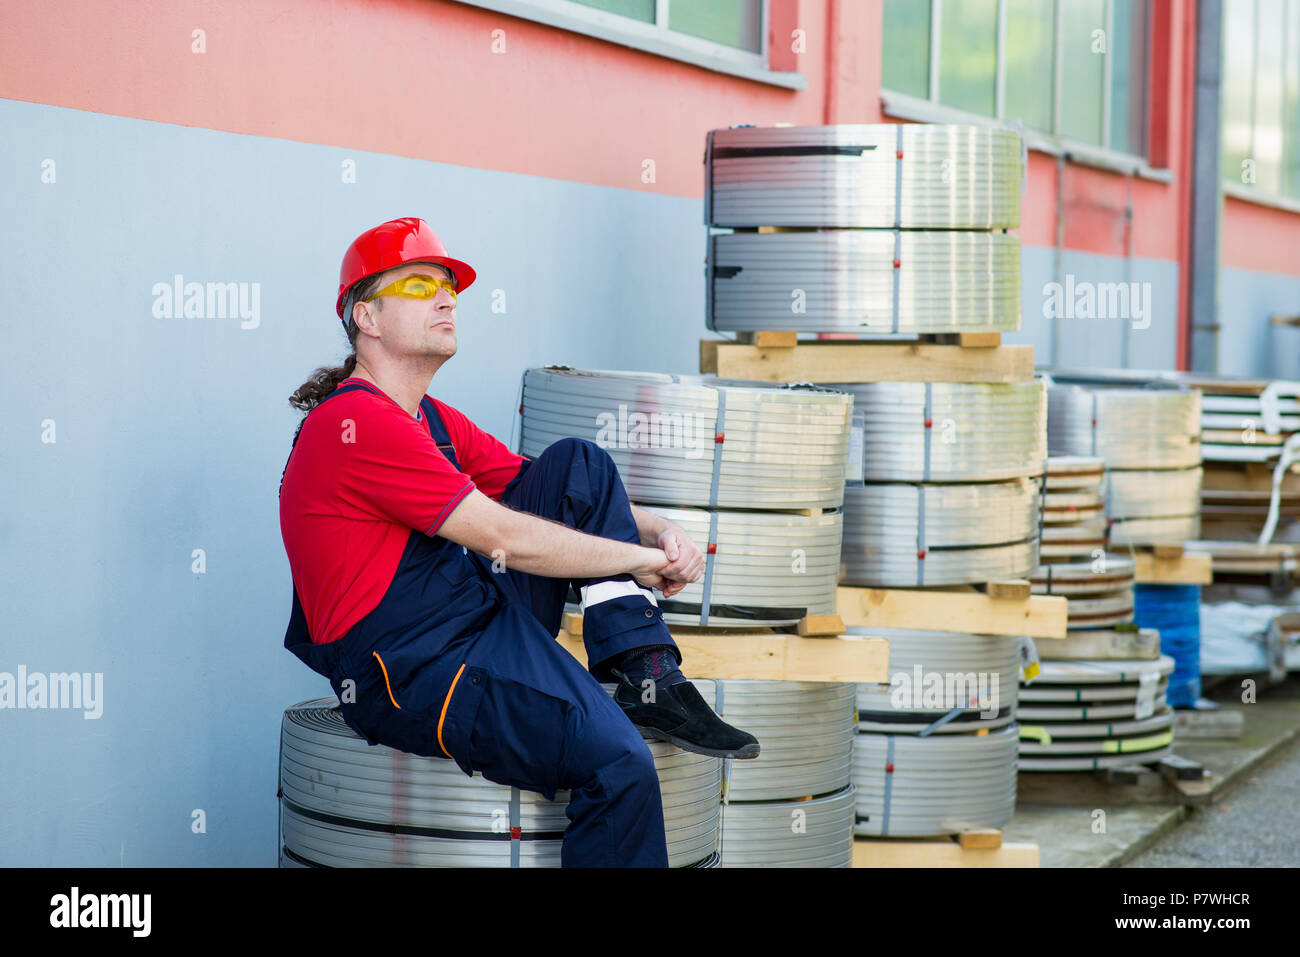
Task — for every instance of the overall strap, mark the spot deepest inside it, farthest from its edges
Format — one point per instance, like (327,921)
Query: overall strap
(441,437)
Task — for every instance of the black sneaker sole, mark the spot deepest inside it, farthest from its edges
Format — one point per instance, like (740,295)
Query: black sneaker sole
(748,751)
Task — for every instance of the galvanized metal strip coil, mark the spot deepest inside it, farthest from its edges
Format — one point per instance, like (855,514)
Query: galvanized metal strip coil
(1083,763)
(911,786)
(1075,472)
(1154,493)
(345,803)
(924,176)
(778,447)
(1101,611)
(806,731)
(907,535)
(1033,713)
(1155,531)
(1035,695)
(1100,728)
(807,833)
(950,431)
(941,682)
(1130,428)
(1110,573)
(1101,672)
(1075,540)
(1104,737)
(865,281)
(768,568)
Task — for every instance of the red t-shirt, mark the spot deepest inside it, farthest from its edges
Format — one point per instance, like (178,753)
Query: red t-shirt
(363,474)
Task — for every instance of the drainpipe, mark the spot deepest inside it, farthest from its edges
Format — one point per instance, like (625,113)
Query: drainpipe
(1207,192)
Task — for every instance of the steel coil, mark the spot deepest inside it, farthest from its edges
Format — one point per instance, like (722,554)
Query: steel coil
(908,535)
(765,568)
(912,175)
(941,682)
(1094,744)
(1078,539)
(1130,428)
(1075,472)
(808,833)
(806,730)
(1153,493)
(865,281)
(950,431)
(347,804)
(912,786)
(1080,579)
(698,440)
(1107,643)
(1155,531)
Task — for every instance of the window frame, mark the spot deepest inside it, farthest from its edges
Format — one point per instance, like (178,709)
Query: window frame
(930,110)
(656,38)
(1231,180)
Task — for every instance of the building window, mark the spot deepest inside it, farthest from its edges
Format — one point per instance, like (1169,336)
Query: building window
(1071,69)
(1260,90)
(736,24)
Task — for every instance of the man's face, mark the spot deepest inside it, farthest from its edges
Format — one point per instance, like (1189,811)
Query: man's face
(415,327)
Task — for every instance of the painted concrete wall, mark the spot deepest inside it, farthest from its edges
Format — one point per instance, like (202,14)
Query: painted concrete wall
(170,434)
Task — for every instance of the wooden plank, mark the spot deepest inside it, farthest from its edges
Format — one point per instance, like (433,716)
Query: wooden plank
(1012,590)
(1168,551)
(769,338)
(940,852)
(969,340)
(963,609)
(1186,569)
(839,361)
(572,624)
(820,625)
(770,656)
(980,838)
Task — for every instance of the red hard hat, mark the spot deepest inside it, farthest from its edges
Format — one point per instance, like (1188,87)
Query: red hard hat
(396,243)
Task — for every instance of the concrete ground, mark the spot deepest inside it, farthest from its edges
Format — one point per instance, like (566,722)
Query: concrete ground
(1080,821)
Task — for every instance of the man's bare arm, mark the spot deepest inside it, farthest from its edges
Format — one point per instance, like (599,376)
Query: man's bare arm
(530,543)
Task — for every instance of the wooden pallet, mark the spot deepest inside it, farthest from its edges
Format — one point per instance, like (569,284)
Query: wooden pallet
(974,848)
(1173,780)
(1172,564)
(781,357)
(767,654)
(993,610)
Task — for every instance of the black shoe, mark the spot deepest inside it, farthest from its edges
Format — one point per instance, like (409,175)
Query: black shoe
(680,716)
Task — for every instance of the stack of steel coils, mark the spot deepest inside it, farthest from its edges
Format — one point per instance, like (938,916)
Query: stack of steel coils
(1099,592)
(727,460)
(911,211)
(792,806)
(1150,440)
(1074,508)
(935,751)
(950,489)
(1083,715)
(344,803)
(770,567)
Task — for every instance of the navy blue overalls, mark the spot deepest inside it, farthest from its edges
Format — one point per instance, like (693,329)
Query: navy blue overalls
(459,661)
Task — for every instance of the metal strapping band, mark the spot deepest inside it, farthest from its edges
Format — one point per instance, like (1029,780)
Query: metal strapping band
(929,429)
(889,783)
(719,438)
(920,535)
(708,561)
(515,827)
(898,180)
(898,261)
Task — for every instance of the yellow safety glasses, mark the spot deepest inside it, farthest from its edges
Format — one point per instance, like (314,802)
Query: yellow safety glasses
(416,286)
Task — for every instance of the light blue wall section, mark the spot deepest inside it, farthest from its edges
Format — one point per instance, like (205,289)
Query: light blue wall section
(1249,343)
(1100,342)
(171,434)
